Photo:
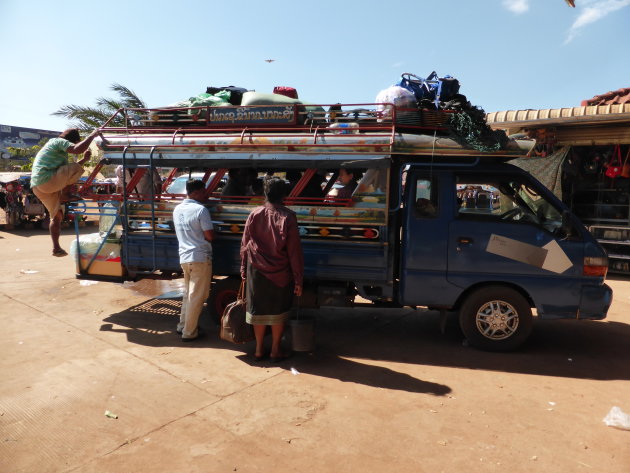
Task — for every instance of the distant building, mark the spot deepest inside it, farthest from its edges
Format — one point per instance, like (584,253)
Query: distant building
(19,137)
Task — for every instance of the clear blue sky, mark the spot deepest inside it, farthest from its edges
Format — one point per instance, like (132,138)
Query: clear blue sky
(507,54)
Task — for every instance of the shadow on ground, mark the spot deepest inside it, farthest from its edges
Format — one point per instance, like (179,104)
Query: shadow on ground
(344,337)
(36,229)
(152,323)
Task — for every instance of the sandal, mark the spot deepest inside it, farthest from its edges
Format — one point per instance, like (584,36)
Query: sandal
(59,252)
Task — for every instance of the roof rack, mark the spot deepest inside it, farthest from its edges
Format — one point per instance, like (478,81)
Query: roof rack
(303,129)
(297,132)
(352,117)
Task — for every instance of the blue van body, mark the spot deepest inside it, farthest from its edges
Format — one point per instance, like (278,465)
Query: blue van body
(435,260)
(419,242)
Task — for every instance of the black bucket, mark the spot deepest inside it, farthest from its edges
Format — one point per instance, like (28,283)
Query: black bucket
(303,333)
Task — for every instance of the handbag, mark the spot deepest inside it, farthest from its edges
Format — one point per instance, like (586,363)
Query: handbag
(234,327)
(423,89)
(625,169)
(613,168)
(432,89)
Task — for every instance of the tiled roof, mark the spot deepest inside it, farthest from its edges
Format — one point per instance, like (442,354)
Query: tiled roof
(620,96)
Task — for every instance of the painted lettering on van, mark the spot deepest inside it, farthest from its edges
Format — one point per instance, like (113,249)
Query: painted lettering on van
(272,114)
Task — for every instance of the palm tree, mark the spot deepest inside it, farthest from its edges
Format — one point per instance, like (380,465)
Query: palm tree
(89,118)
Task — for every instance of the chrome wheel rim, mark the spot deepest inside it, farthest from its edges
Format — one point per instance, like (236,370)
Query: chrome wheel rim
(497,320)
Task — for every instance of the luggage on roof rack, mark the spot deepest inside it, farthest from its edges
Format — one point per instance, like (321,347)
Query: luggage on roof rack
(284,114)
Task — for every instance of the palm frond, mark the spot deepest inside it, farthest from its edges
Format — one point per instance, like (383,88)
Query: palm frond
(84,118)
(109,104)
(74,111)
(89,118)
(129,98)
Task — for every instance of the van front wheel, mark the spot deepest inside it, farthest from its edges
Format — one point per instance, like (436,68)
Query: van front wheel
(496,318)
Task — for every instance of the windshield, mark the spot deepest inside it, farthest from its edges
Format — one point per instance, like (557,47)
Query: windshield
(540,207)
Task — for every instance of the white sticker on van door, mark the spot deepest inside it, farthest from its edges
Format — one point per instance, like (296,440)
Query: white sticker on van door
(550,257)
(557,260)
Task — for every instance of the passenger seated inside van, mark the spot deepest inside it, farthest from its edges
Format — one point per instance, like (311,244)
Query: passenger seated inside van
(258,182)
(374,181)
(425,208)
(239,183)
(349,179)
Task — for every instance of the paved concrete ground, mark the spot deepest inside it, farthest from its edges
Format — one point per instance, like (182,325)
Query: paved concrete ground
(382,392)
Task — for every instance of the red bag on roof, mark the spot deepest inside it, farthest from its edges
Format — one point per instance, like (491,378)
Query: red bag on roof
(286,91)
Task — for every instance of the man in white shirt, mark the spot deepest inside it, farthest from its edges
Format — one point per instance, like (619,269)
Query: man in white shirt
(194,234)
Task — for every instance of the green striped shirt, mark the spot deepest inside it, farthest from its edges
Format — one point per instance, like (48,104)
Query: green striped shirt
(50,158)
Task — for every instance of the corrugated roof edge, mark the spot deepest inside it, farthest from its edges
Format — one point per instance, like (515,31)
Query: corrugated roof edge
(549,116)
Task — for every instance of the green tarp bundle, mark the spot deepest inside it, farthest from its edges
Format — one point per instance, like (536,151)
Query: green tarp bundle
(547,170)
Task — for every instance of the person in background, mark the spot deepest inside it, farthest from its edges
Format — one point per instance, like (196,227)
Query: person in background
(195,233)
(258,185)
(53,175)
(272,263)
(143,188)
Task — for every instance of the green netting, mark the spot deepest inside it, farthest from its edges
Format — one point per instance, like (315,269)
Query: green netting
(547,169)
(469,128)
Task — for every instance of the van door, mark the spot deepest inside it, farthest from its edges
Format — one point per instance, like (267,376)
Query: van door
(424,241)
(513,237)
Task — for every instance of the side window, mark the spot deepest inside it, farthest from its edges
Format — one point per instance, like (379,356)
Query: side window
(425,202)
(505,200)
(480,199)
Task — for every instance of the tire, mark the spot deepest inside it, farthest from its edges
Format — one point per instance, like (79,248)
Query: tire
(224,292)
(496,318)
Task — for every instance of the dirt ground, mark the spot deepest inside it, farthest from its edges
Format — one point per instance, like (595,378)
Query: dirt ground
(383,391)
